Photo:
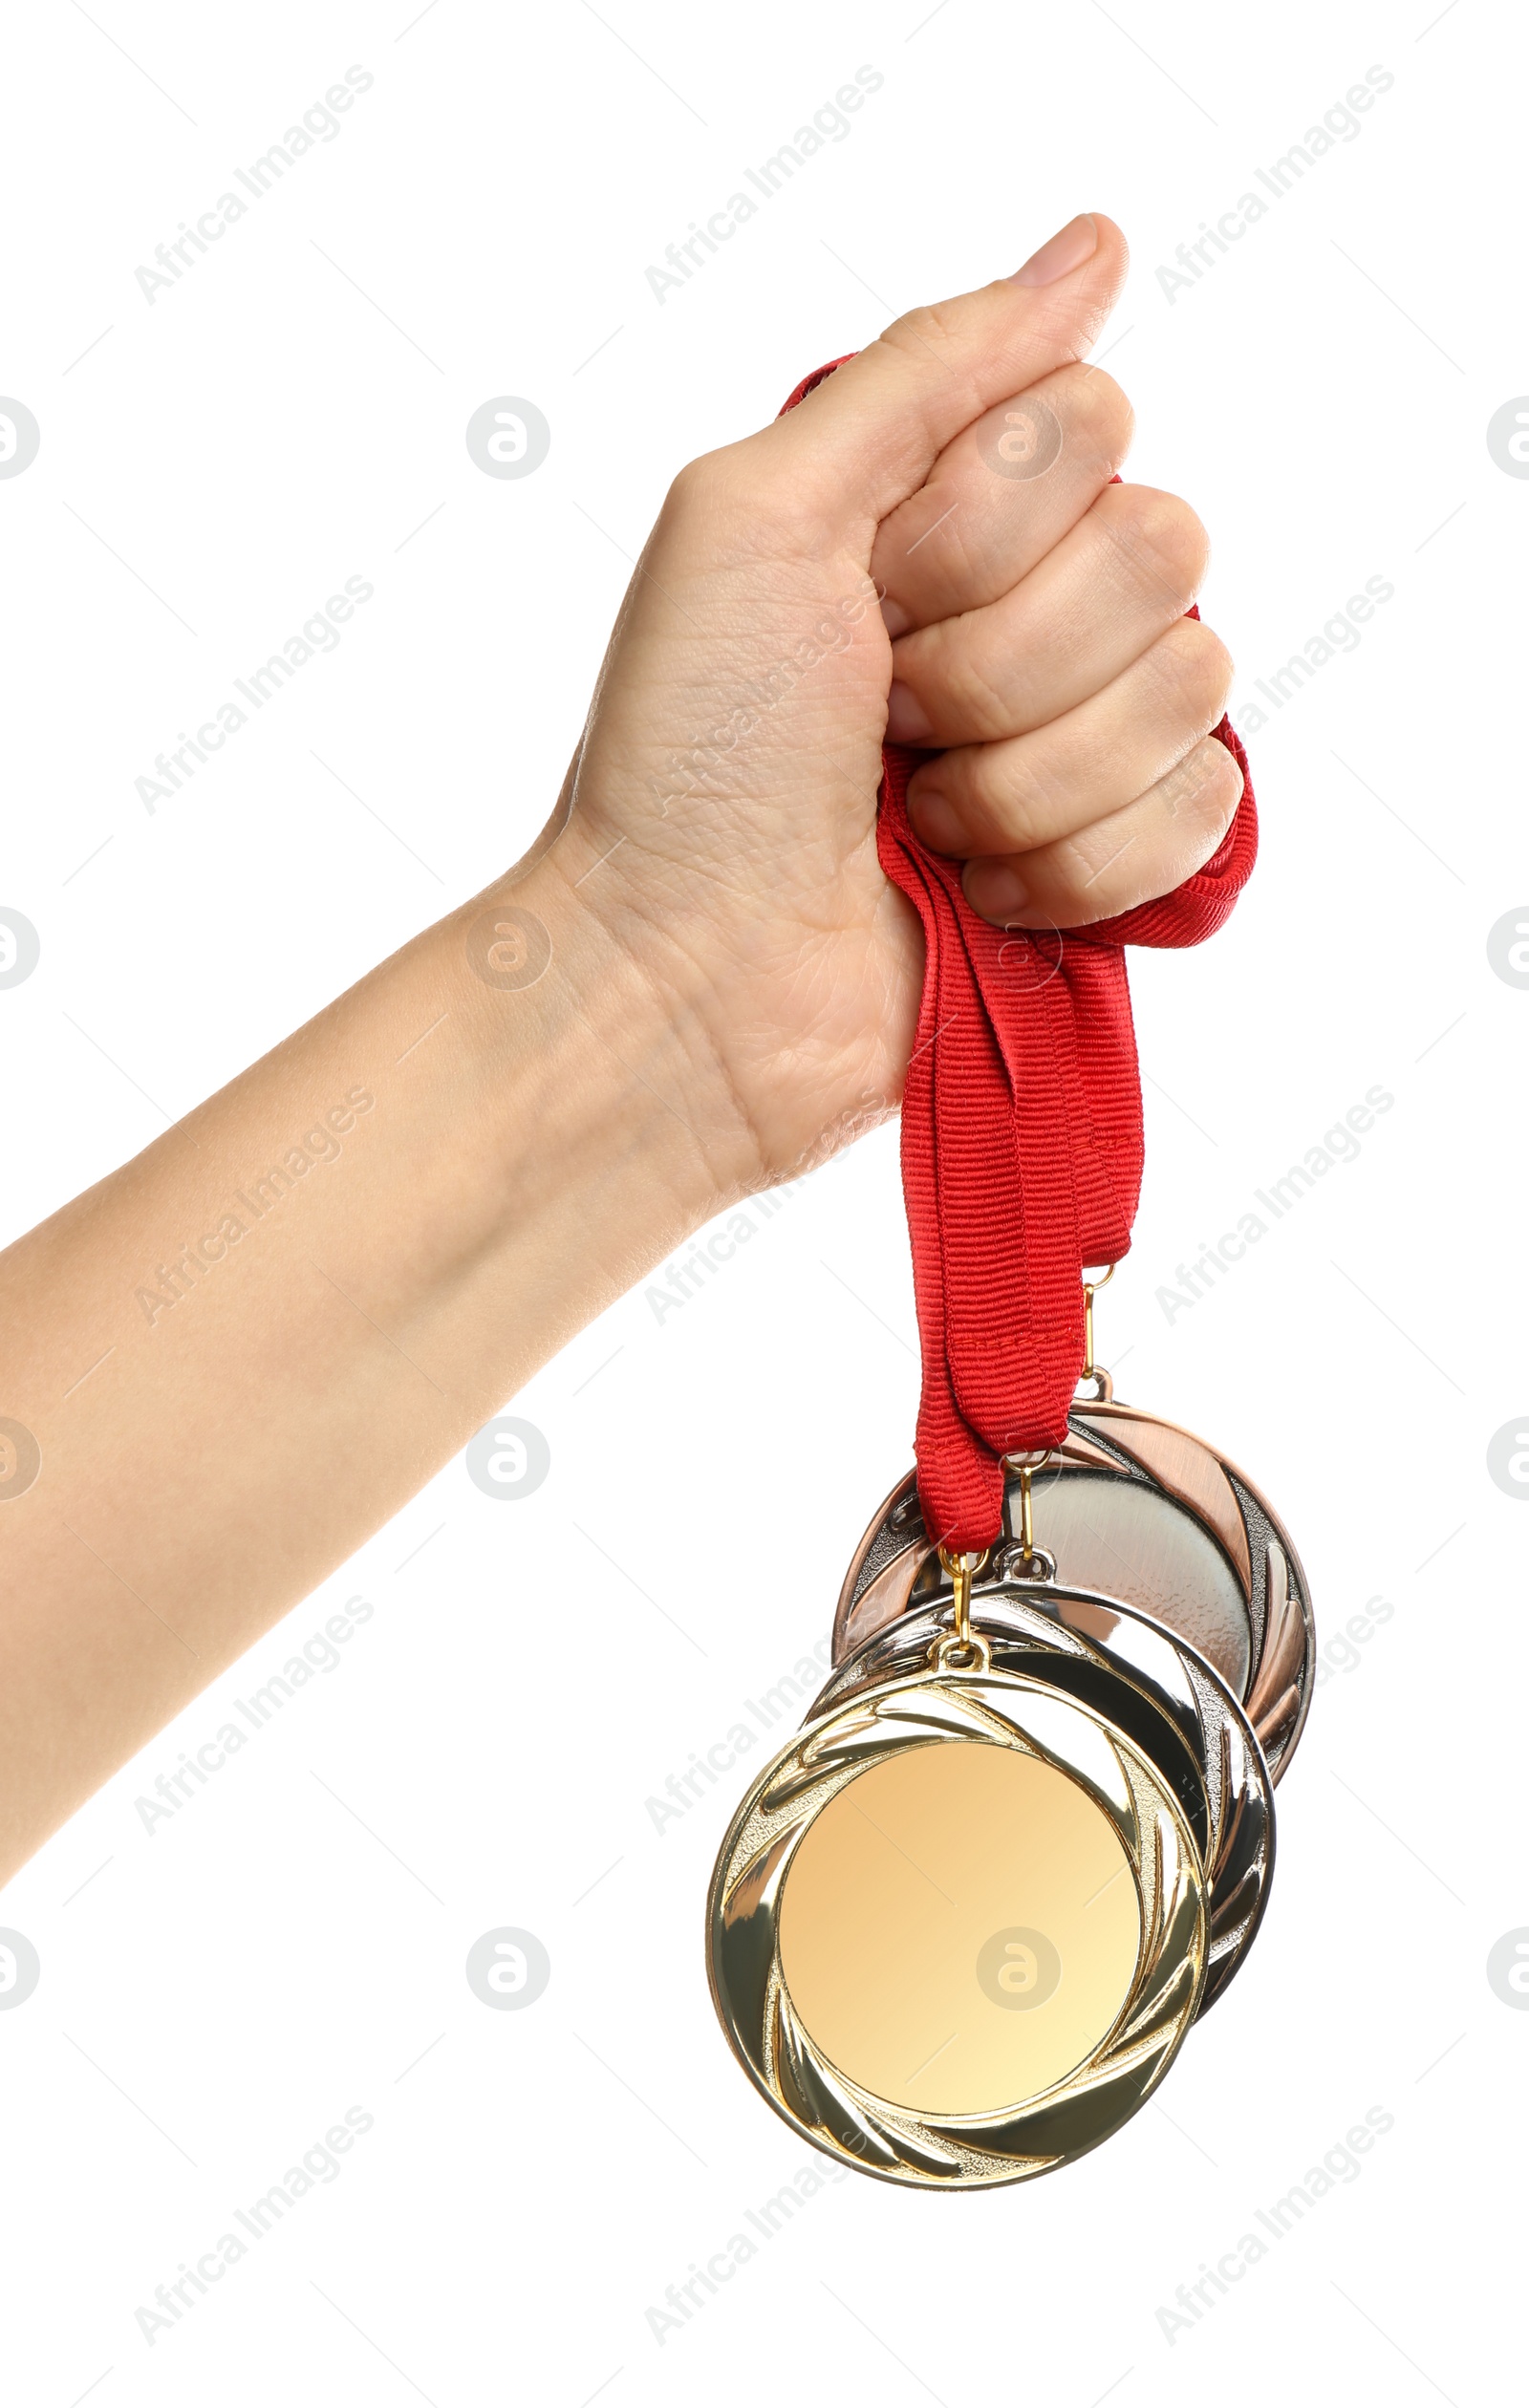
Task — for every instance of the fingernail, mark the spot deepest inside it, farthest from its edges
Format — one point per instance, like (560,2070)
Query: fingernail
(1065,251)
(995,889)
(935,819)
(908,723)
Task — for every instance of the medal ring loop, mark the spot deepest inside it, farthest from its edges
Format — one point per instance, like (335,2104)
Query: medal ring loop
(954,1655)
(1039,1563)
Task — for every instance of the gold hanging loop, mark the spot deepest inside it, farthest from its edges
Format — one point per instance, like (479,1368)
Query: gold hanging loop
(962,1570)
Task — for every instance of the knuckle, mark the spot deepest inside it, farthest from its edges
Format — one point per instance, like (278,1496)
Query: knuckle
(1070,872)
(966,777)
(1194,669)
(1223,787)
(969,692)
(707,492)
(740,499)
(1214,665)
(990,786)
(928,322)
(945,562)
(1093,409)
(1207,783)
(695,481)
(1081,877)
(1025,795)
(1164,539)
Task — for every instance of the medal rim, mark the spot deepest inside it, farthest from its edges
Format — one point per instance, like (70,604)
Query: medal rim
(753,2050)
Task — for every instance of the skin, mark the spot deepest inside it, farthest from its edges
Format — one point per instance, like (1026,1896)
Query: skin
(731,994)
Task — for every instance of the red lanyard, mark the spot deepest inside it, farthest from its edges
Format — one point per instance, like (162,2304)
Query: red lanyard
(1021,1146)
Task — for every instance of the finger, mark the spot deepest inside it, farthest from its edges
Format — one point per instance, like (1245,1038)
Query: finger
(1121,577)
(1147,849)
(1000,497)
(868,435)
(1029,791)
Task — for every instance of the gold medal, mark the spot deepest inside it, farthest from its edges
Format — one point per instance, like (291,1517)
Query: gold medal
(958,1927)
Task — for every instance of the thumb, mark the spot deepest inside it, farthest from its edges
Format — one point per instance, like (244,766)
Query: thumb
(868,435)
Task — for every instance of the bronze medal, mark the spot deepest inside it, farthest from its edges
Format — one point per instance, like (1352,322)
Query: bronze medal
(1134,1508)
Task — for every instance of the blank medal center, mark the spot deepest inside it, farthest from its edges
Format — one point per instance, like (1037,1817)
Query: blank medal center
(959,1928)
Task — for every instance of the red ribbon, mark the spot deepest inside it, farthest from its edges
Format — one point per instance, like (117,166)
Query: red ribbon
(1021,1144)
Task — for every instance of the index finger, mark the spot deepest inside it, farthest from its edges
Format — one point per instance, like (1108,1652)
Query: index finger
(868,435)
(1000,498)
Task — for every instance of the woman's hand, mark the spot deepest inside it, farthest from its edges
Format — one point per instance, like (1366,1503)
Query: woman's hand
(720,821)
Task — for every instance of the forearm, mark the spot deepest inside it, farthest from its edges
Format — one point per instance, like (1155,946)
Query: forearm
(236,1366)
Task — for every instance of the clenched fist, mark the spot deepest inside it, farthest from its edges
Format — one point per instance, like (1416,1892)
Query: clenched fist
(929,547)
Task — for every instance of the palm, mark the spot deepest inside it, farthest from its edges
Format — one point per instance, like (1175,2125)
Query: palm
(808,962)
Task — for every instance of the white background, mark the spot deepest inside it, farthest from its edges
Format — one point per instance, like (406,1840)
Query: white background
(214,1996)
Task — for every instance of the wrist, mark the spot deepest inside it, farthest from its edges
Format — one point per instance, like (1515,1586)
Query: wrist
(602,1085)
